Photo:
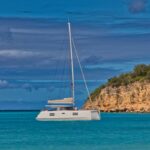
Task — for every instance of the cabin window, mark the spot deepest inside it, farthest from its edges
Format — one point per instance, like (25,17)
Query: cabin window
(51,114)
(74,113)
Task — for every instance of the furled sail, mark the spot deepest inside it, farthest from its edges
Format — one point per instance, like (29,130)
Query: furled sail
(57,106)
(61,101)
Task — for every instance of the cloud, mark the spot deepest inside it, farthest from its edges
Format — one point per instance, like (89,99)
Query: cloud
(30,31)
(92,59)
(122,65)
(137,6)
(16,58)
(5,34)
(50,85)
(28,87)
(3,84)
(18,53)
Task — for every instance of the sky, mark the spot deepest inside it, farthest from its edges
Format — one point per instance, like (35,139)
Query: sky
(111,37)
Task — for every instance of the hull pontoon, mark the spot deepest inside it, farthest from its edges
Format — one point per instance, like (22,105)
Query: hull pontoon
(60,115)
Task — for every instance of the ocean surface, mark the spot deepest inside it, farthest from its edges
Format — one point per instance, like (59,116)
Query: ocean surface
(20,131)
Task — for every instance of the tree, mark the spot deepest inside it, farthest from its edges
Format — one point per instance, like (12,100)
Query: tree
(141,70)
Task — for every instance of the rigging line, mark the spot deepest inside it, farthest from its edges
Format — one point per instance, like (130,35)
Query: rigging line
(82,73)
(69,73)
(56,73)
(58,69)
(60,48)
(63,78)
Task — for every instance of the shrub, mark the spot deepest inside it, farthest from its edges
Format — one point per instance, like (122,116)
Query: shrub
(141,70)
(140,73)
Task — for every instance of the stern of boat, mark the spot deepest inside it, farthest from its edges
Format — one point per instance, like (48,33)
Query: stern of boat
(95,115)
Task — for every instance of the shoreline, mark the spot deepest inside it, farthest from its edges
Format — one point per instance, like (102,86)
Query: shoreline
(102,112)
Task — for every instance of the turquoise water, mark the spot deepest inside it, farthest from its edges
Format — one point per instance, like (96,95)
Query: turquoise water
(20,131)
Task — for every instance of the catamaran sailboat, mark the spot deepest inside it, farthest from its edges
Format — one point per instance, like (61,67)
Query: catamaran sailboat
(64,109)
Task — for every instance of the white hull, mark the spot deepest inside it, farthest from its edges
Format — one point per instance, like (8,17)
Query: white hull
(66,115)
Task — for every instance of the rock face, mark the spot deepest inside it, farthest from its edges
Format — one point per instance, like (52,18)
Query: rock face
(134,97)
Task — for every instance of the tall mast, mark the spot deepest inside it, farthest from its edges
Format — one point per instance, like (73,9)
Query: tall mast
(72,65)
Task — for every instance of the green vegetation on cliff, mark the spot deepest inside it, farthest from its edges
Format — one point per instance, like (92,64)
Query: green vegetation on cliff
(140,73)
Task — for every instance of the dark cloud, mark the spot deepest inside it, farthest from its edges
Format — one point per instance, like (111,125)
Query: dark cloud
(24,58)
(5,35)
(92,59)
(37,50)
(137,6)
(27,86)
(4,84)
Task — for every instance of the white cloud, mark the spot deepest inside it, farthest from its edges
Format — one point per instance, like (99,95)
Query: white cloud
(30,31)
(18,53)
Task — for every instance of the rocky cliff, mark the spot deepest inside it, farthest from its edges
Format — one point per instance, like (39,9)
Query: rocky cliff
(128,95)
